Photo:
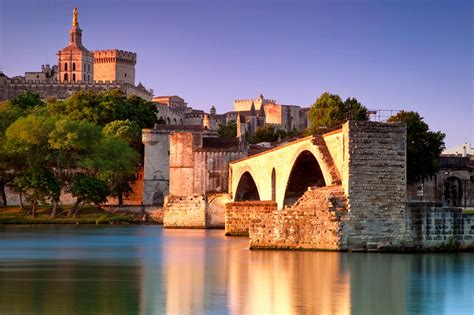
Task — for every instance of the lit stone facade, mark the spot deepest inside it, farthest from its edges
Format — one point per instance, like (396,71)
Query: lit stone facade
(78,70)
(114,65)
(75,62)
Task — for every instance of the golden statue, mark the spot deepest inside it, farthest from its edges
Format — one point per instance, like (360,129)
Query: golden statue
(75,14)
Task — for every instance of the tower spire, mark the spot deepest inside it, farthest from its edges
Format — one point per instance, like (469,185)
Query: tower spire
(75,17)
(75,34)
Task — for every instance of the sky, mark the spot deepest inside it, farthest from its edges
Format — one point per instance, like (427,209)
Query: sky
(411,55)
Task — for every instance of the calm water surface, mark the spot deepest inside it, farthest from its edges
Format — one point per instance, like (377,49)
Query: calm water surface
(148,270)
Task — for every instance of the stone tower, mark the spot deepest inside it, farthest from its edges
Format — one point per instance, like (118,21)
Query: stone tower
(75,62)
(114,65)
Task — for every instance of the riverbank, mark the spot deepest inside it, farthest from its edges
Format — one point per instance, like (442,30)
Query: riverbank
(88,215)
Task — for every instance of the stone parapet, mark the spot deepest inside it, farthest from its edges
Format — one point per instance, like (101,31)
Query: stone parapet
(238,215)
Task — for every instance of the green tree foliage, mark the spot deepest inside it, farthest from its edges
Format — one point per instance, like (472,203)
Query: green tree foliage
(28,137)
(330,111)
(228,131)
(268,133)
(114,161)
(26,101)
(423,146)
(126,130)
(105,107)
(87,190)
(43,147)
(38,185)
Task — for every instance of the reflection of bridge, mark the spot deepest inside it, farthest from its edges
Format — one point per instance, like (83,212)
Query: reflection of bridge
(283,174)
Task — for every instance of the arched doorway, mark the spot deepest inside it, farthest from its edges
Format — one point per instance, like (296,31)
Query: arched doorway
(452,190)
(246,189)
(305,173)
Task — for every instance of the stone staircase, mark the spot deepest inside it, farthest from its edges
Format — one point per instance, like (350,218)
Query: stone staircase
(318,141)
(315,221)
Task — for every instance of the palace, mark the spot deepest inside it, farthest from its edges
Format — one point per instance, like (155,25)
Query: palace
(78,69)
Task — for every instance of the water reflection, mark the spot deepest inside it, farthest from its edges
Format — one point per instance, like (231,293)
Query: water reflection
(145,270)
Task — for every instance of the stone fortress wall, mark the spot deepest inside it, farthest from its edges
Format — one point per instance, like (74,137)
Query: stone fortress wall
(114,65)
(198,171)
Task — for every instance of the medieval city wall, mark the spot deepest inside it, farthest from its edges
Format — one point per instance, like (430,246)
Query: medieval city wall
(432,227)
(238,215)
(10,88)
(315,221)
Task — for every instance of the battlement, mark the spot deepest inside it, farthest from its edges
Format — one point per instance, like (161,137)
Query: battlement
(115,55)
(264,101)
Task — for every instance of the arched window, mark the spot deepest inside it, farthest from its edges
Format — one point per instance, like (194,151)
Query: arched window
(174,120)
(84,76)
(65,66)
(65,77)
(168,120)
(73,66)
(73,77)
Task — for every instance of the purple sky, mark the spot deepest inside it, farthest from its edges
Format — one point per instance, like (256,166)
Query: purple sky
(413,55)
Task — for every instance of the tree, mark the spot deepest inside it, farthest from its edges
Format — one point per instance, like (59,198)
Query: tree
(115,162)
(423,146)
(267,133)
(105,107)
(9,162)
(38,185)
(329,111)
(126,130)
(69,142)
(27,100)
(228,131)
(27,141)
(87,189)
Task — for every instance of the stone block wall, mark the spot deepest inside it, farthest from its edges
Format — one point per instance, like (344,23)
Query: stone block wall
(185,212)
(315,221)
(239,214)
(376,185)
(432,227)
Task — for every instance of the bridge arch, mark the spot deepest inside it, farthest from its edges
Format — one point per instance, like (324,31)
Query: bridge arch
(273,185)
(305,172)
(247,188)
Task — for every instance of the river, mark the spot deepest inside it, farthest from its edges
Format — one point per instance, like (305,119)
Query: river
(147,270)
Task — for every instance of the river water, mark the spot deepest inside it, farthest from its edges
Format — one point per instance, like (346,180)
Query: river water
(148,270)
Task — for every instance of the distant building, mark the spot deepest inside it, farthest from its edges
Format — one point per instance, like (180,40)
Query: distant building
(78,69)
(249,115)
(453,185)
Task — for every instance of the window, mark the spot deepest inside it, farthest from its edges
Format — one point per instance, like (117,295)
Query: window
(125,75)
(65,66)
(84,77)
(65,77)
(73,66)
(73,77)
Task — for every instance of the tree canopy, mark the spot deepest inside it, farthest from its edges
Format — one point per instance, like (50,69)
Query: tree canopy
(65,145)
(330,111)
(423,146)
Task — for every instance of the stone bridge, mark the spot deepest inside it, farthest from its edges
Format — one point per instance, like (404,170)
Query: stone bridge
(284,173)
